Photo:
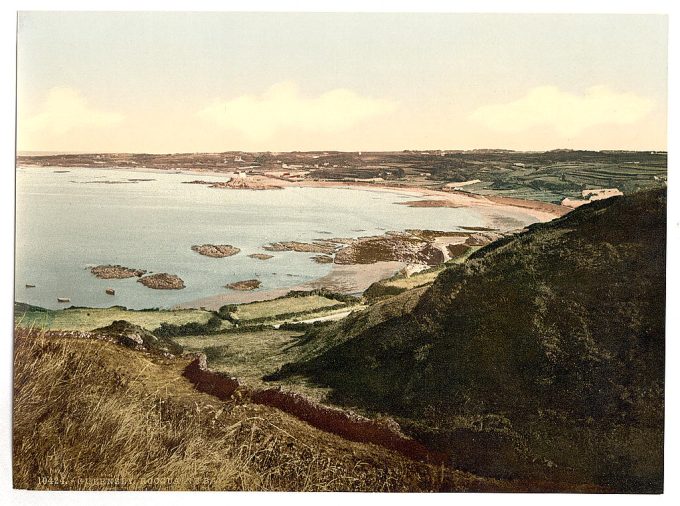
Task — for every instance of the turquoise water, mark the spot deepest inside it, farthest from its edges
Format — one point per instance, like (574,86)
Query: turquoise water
(67,222)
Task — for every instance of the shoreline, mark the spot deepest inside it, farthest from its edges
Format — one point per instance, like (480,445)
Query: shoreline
(542,211)
(344,278)
(347,279)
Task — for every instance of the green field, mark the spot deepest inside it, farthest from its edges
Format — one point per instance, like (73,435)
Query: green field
(93,318)
(555,180)
(284,307)
(279,310)
(246,355)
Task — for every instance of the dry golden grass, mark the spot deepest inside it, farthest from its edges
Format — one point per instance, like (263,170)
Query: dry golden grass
(96,416)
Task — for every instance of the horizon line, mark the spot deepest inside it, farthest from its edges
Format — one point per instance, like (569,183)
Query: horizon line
(451,150)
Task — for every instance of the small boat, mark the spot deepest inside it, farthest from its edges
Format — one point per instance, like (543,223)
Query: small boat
(63,299)
(110,291)
(29,286)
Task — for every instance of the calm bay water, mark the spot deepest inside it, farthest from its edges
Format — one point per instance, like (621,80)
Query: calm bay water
(69,221)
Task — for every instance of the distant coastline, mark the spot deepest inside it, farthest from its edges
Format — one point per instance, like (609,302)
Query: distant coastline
(539,210)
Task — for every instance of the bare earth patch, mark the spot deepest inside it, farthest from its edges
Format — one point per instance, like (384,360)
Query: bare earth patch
(546,207)
(353,278)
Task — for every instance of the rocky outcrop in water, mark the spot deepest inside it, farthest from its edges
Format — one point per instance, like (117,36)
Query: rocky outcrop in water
(303,247)
(247,183)
(249,284)
(261,256)
(390,247)
(116,272)
(216,250)
(162,281)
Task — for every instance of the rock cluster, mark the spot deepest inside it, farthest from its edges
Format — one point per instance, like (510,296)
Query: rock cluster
(261,256)
(162,281)
(249,284)
(116,272)
(216,250)
(325,247)
(134,336)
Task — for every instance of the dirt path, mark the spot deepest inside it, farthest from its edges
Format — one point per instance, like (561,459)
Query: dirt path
(330,317)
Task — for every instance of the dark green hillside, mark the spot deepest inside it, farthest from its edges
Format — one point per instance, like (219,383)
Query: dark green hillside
(542,355)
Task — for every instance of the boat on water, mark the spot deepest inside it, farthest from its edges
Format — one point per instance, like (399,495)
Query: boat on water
(29,286)
(63,299)
(110,291)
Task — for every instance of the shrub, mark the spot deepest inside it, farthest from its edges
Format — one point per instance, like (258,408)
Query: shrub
(226,312)
(189,329)
(379,290)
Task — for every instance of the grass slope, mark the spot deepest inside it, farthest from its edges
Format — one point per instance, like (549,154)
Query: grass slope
(92,415)
(542,355)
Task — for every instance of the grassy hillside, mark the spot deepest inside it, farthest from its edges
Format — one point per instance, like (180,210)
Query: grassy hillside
(93,415)
(542,355)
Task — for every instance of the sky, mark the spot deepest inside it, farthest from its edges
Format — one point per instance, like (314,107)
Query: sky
(206,82)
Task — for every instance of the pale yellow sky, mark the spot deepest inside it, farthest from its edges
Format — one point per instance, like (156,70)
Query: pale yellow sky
(180,82)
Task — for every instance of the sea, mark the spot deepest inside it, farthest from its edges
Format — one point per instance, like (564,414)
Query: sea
(71,219)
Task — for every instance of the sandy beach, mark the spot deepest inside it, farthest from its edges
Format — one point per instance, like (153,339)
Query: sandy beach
(341,278)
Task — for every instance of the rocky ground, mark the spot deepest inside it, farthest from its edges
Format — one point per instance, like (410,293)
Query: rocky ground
(241,183)
(424,247)
(396,247)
